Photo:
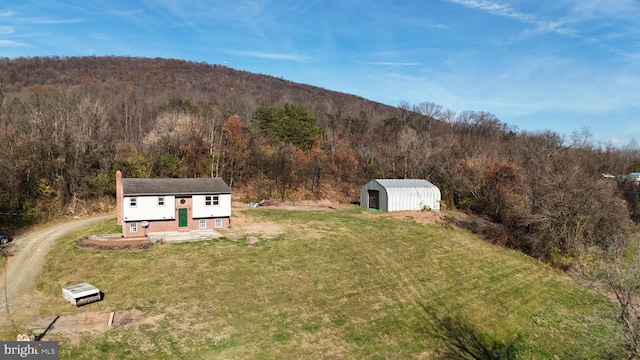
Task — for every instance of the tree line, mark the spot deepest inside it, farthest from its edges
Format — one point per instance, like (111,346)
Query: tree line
(69,124)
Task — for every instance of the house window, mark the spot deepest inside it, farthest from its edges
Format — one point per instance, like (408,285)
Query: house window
(211,200)
(160,200)
(133,227)
(203,223)
(218,223)
(133,202)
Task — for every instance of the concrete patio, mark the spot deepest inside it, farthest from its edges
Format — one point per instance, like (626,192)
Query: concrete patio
(183,236)
(157,237)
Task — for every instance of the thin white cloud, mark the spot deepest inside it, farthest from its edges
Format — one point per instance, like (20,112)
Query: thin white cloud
(10,43)
(610,8)
(6,30)
(6,13)
(438,26)
(269,55)
(503,10)
(56,21)
(389,63)
(123,13)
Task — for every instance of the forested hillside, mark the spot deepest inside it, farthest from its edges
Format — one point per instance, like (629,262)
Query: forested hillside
(67,124)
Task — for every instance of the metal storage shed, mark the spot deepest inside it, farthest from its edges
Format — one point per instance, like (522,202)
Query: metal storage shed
(400,195)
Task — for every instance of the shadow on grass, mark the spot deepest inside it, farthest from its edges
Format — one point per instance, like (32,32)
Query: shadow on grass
(462,340)
(39,337)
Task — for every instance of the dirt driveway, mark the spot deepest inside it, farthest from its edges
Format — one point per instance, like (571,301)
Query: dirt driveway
(28,251)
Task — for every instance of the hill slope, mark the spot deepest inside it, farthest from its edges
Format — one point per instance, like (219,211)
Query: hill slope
(73,122)
(329,284)
(170,78)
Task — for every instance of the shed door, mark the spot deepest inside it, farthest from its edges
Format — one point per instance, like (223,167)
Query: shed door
(374,199)
(182,217)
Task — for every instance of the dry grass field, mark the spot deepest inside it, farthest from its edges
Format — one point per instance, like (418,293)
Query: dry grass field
(325,283)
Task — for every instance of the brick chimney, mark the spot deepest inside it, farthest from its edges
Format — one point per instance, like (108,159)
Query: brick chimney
(119,197)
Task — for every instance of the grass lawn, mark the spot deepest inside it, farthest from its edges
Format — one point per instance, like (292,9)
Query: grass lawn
(342,284)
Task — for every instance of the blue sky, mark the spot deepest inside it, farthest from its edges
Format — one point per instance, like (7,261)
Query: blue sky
(560,65)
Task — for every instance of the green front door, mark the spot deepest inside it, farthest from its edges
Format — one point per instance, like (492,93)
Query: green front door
(182,217)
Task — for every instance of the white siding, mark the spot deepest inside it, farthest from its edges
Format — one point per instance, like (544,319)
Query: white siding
(223,209)
(402,194)
(413,198)
(147,208)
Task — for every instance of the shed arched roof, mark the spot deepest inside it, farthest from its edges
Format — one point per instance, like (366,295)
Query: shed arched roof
(405,183)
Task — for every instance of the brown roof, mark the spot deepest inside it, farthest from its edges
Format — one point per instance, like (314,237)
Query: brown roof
(188,186)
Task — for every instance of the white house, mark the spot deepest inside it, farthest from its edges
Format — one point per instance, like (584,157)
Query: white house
(400,195)
(156,205)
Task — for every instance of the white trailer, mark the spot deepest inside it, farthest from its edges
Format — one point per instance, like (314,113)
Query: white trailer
(81,294)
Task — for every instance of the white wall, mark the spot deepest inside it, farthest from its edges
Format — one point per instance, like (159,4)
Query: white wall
(223,208)
(147,208)
(401,199)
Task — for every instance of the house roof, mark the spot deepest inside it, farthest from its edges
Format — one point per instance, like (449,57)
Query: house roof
(188,186)
(404,183)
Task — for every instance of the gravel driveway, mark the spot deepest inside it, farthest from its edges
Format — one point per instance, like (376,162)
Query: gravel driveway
(17,283)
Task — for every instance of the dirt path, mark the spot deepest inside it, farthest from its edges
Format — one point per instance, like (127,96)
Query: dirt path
(28,252)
